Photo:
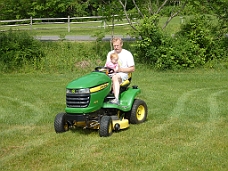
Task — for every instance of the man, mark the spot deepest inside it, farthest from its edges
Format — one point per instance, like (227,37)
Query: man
(126,65)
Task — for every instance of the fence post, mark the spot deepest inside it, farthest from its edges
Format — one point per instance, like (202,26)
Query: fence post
(181,20)
(68,23)
(31,23)
(104,24)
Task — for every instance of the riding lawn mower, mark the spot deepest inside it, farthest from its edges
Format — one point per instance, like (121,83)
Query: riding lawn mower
(88,104)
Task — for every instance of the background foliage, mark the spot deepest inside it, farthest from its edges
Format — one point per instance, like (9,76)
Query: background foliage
(198,42)
(17,49)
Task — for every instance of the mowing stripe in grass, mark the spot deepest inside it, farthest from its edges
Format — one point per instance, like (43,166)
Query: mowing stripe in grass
(178,110)
(210,126)
(180,105)
(207,130)
(25,147)
(37,115)
(2,111)
(213,105)
(186,127)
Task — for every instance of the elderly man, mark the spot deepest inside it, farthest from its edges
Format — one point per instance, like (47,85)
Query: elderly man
(126,65)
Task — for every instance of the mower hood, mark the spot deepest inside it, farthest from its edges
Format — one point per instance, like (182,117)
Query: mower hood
(90,80)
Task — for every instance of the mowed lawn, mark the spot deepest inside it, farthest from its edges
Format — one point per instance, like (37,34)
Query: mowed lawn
(187,126)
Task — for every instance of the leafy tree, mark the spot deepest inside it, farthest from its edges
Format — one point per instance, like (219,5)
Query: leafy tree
(196,44)
(111,12)
(18,48)
(11,9)
(58,8)
(149,8)
(220,9)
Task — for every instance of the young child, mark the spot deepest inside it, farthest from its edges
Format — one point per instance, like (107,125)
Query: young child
(113,63)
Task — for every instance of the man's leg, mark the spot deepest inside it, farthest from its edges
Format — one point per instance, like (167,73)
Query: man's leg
(116,80)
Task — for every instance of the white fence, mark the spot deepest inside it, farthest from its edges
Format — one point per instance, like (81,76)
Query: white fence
(31,23)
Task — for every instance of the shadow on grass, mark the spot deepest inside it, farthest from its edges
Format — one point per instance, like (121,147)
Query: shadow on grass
(92,131)
(83,131)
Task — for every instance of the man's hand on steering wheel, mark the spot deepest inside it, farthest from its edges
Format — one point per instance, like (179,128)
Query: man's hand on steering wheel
(106,70)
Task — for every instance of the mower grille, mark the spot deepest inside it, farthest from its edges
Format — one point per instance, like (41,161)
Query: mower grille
(77,100)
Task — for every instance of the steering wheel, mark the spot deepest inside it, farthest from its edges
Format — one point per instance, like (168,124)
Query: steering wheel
(105,70)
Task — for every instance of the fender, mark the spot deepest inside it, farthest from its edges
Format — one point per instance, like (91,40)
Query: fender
(126,100)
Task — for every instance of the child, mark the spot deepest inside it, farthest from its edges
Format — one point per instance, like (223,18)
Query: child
(113,63)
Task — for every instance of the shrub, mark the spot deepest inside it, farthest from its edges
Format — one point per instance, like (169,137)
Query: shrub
(18,48)
(193,46)
(181,54)
(148,47)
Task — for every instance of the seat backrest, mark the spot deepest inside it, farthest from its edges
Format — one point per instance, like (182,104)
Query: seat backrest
(127,82)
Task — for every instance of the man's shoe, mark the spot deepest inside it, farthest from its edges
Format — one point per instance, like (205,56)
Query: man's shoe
(115,101)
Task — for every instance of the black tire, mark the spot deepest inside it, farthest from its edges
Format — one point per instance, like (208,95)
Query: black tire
(60,123)
(138,112)
(106,126)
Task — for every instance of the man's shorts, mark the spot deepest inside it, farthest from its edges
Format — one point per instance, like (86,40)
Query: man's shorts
(124,76)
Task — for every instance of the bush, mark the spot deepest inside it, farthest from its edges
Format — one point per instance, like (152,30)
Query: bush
(193,46)
(181,54)
(148,47)
(17,49)
(202,32)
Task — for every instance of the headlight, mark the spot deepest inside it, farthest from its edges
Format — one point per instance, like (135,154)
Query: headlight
(78,91)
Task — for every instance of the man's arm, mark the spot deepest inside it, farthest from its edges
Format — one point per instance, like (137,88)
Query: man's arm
(127,70)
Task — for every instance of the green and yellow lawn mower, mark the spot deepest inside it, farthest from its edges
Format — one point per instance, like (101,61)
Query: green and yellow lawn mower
(88,104)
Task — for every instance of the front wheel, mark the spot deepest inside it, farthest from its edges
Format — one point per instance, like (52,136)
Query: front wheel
(106,127)
(60,123)
(138,112)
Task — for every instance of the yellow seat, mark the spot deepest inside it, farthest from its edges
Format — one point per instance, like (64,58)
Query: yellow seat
(127,82)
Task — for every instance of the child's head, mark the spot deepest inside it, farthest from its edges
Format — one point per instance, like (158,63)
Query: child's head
(114,58)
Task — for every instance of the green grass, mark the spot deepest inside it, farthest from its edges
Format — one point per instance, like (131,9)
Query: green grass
(88,28)
(75,29)
(94,28)
(187,126)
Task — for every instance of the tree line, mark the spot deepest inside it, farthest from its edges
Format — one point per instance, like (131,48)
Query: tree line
(11,9)
(198,42)
(131,9)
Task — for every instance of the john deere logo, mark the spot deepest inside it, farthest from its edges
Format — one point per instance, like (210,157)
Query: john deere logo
(98,88)
(73,91)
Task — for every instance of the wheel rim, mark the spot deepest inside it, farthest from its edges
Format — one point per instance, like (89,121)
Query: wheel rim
(66,127)
(110,128)
(140,113)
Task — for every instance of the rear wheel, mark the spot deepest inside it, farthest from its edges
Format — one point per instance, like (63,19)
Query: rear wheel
(60,123)
(138,112)
(106,127)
